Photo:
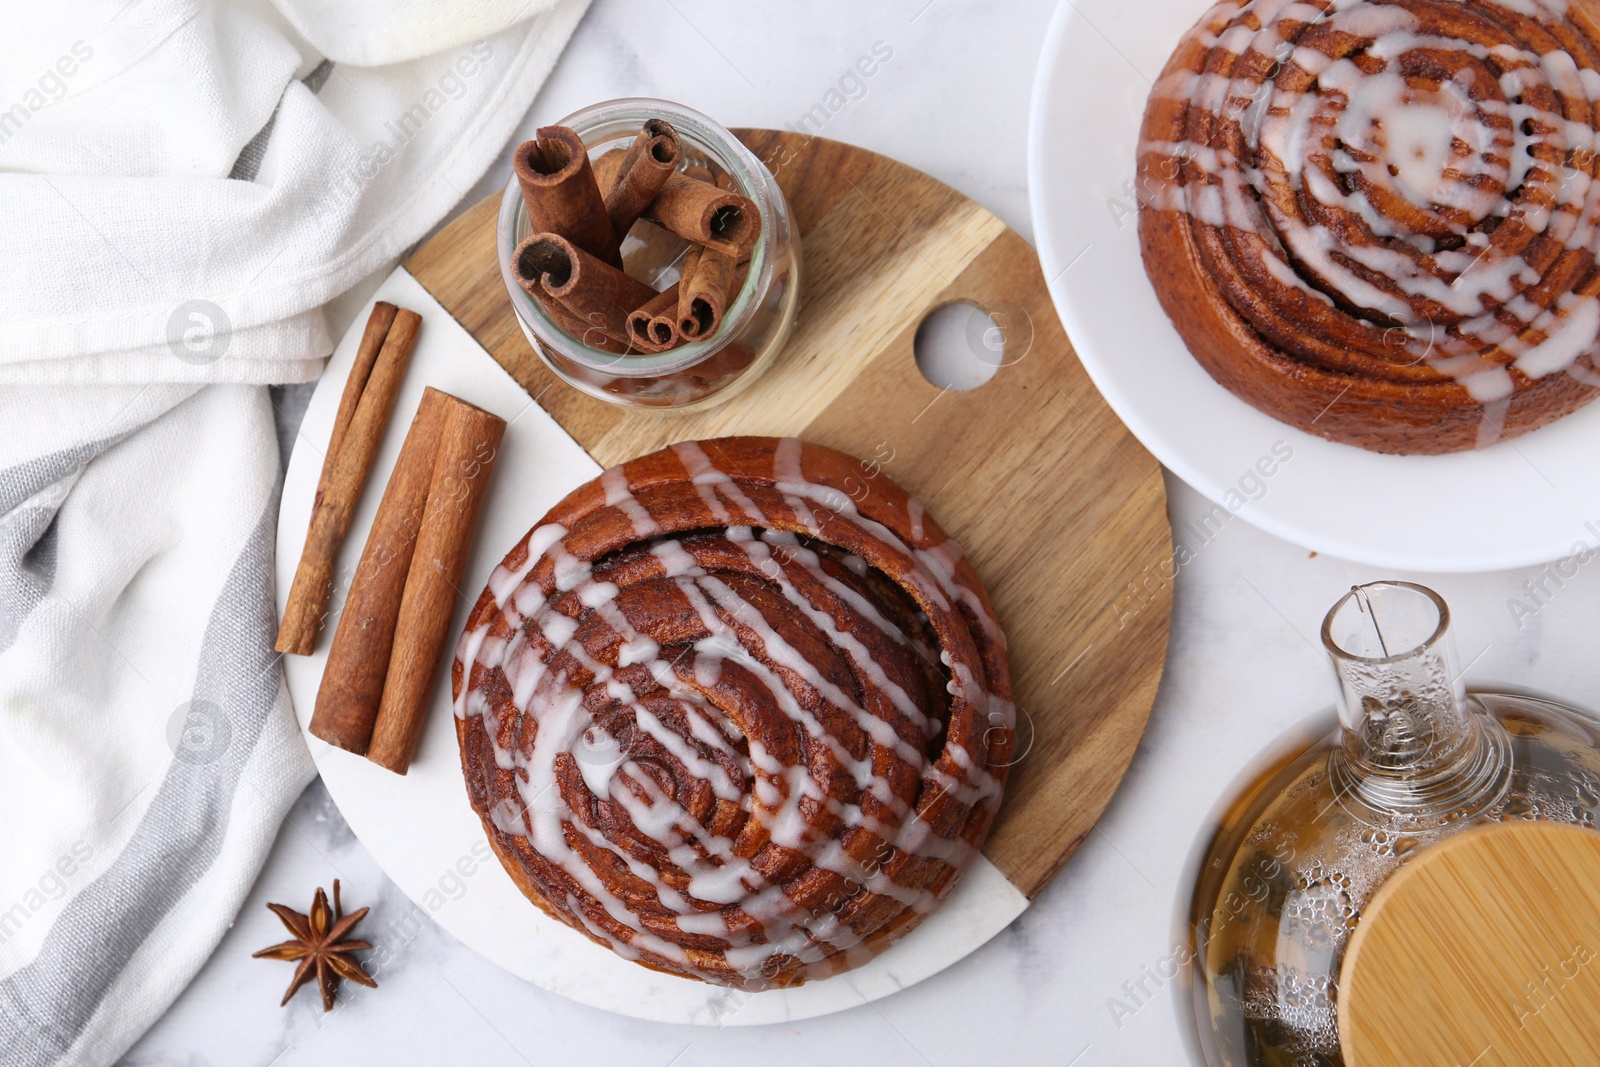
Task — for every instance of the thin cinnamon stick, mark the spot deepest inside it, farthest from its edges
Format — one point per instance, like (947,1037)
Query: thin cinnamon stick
(549,266)
(652,157)
(561,195)
(469,441)
(352,681)
(703,292)
(378,324)
(330,515)
(653,326)
(689,266)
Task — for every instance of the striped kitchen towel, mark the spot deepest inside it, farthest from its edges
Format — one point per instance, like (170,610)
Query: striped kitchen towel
(184,185)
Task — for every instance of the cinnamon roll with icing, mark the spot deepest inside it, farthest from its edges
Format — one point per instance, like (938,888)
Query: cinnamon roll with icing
(1376,219)
(738,710)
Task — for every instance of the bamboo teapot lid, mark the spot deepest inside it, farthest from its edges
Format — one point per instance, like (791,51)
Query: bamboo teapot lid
(1484,951)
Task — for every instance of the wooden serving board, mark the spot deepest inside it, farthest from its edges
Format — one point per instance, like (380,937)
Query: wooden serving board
(1062,512)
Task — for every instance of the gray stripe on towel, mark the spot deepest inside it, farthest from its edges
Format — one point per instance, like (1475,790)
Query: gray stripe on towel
(28,530)
(45,1005)
(248,165)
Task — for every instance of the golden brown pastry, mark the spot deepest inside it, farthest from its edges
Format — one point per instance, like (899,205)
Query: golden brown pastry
(737,710)
(1376,220)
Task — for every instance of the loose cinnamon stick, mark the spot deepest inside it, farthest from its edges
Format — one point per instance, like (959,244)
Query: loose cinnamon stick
(653,326)
(561,195)
(352,681)
(336,499)
(648,162)
(469,441)
(378,324)
(549,266)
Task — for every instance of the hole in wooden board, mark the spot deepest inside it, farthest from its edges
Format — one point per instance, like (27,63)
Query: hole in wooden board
(961,346)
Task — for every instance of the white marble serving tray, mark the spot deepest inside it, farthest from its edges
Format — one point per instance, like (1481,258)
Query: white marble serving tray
(421,828)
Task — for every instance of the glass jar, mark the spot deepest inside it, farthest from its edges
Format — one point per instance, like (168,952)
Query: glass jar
(696,374)
(1301,846)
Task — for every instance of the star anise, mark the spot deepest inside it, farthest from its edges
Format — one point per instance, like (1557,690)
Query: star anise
(320,946)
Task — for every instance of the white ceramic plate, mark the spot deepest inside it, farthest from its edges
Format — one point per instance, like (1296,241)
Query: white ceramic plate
(1520,502)
(421,828)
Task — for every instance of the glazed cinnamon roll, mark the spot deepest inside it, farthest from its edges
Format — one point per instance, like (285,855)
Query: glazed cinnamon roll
(1376,219)
(738,710)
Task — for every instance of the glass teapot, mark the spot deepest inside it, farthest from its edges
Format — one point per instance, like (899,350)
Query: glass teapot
(1300,849)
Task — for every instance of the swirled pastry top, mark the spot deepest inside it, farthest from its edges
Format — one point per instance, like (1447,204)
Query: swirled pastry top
(1376,219)
(738,710)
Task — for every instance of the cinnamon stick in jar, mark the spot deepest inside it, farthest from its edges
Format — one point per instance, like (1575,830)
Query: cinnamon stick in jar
(352,680)
(653,326)
(468,443)
(710,283)
(693,207)
(561,194)
(345,470)
(699,212)
(588,332)
(688,328)
(552,268)
(703,293)
(652,258)
(649,161)
(606,169)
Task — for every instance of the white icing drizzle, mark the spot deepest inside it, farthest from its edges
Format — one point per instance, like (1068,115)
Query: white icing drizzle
(1465,161)
(620,496)
(861,730)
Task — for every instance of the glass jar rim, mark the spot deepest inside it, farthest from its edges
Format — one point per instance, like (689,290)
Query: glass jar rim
(1358,592)
(726,150)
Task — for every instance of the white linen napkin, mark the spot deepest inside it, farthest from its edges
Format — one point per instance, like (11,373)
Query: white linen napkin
(183,185)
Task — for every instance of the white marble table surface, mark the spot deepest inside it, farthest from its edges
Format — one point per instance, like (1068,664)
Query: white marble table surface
(1075,980)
